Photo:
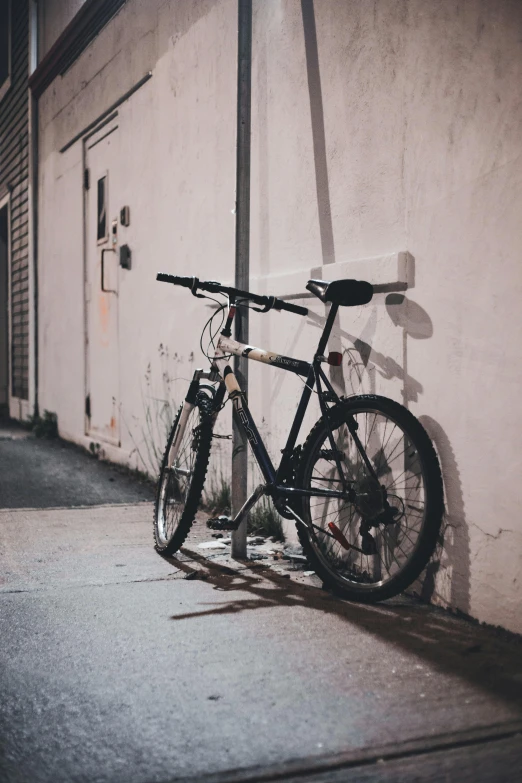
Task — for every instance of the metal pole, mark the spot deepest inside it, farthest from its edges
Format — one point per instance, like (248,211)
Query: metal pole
(244,80)
(33,169)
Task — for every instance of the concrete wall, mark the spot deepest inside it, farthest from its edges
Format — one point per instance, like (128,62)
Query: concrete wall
(177,153)
(396,126)
(386,146)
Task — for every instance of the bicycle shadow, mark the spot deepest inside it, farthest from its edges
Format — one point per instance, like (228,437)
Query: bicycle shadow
(486,658)
(414,322)
(446,579)
(451,562)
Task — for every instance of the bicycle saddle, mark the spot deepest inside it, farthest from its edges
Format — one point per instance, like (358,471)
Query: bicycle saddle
(347,293)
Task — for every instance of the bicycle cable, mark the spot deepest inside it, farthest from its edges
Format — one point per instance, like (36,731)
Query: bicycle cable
(221,306)
(220,310)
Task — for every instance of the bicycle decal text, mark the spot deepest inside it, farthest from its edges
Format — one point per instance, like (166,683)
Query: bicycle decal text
(244,419)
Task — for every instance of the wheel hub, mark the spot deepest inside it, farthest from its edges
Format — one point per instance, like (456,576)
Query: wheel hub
(370,498)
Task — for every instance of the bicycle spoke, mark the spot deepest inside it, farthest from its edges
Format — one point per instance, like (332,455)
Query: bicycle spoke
(370,433)
(395,457)
(407,536)
(377,470)
(177,481)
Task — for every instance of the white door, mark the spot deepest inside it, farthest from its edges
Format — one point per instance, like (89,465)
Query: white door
(102,273)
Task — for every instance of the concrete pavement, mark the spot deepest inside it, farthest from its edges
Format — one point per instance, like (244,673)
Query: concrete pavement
(117,667)
(48,473)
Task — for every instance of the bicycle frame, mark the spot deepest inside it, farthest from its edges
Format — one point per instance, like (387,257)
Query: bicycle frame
(228,347)
(315,376)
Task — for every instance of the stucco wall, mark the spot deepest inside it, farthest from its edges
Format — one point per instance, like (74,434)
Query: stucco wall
(379,129)
(396,126)
(176,154)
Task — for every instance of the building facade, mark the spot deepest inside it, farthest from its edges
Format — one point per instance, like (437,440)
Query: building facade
(385,146)
(16,272)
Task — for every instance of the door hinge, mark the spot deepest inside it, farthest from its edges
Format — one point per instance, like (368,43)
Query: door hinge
(86,179)
(88,406)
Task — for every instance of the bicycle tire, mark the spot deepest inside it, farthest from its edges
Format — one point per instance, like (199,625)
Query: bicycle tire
(339,571)
(197,439)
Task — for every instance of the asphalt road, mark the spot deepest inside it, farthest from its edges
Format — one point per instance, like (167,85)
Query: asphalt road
(117,667)
(45,473)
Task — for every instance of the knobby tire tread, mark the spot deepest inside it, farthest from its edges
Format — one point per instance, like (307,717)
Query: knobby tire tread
(197,483)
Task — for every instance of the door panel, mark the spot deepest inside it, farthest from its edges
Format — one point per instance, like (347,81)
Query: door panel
(102,285)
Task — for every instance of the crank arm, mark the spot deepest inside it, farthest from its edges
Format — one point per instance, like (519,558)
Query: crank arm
(226,523)
(316,527)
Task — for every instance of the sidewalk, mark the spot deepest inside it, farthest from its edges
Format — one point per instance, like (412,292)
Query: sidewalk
(118,665)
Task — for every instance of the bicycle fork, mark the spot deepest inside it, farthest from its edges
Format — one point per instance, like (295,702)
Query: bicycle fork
(188,406)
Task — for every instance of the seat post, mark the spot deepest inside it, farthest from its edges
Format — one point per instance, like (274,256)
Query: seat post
(327,330)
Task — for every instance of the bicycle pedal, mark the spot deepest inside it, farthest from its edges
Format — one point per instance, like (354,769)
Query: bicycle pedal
(221,523)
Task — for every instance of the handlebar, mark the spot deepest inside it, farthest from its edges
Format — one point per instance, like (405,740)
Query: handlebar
(266,302)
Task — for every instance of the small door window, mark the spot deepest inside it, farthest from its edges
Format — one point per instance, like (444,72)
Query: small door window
(103,223)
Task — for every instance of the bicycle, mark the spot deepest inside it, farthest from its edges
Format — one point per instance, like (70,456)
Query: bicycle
(365,489)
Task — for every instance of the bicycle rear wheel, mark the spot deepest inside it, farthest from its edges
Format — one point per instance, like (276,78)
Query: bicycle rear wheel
(180,484)
(376,541)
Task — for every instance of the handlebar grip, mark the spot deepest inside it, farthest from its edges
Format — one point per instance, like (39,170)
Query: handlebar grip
(186,282)
(297,309)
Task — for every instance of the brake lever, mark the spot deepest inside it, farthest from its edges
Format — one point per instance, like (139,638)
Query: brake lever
(267,307)
(194,289)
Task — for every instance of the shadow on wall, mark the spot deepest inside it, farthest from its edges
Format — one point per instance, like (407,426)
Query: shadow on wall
(364,359)
(318,132)
(446,580)
(447,577)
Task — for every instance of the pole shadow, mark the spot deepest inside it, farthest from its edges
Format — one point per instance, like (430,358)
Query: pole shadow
(446,579)
(318,132)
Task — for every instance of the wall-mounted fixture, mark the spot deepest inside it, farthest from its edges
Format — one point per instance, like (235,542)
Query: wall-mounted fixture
(114,232)
(125,257)
(125,216)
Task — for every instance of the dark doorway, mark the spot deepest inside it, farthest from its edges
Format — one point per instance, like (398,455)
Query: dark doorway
(4,344)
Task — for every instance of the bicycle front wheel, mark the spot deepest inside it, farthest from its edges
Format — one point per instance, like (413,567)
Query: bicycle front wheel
(376,540)
(182,479)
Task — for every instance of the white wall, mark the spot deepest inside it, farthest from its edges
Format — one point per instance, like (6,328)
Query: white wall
(399,132)
(177,149)
(412,144)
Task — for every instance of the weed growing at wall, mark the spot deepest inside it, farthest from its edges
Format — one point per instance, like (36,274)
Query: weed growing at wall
(264,520)
(45,426)
(95,449)
(217,496)
(159,410)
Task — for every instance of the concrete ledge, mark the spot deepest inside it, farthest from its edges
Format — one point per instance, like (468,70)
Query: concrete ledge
(392,272)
